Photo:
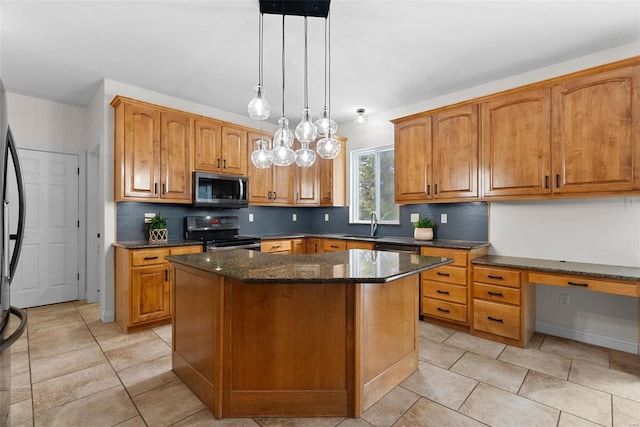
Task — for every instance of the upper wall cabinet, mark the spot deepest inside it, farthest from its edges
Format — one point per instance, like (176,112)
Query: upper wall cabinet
(455,153)
(270,186)
(333,184)
(436,156)
(516,141)
(413,160)
(219,148)
(152,153)
(596,126)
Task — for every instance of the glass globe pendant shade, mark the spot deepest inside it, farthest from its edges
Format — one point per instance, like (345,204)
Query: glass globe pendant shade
(262,158)
(305,157)
(328,147)
(259,108)
(326,125)
(306,131)
(283,134)
(283,155)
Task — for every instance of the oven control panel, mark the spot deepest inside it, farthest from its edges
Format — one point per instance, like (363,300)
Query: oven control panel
(204,223)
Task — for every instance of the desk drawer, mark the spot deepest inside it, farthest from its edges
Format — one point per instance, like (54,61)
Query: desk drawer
(459,256)
(496,293)
(445,310)
(498,319)
(444,291)
(496,276)
(447,274)
(148,257)
(629,289)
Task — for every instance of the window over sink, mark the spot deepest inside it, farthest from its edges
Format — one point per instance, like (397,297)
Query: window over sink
(372,186)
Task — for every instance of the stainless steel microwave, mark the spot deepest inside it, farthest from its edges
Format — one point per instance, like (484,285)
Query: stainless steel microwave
(220,191)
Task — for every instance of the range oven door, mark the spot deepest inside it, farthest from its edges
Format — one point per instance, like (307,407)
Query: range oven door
(227,246)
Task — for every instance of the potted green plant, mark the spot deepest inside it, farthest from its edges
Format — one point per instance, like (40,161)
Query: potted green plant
(423,229)
(157,227)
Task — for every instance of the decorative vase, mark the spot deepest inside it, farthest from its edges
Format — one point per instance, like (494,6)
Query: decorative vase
(157,236)
(423,233)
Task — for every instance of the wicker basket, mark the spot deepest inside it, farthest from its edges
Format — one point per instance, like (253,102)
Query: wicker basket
(158,236)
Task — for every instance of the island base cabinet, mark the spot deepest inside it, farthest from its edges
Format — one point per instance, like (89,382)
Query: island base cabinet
(287,349)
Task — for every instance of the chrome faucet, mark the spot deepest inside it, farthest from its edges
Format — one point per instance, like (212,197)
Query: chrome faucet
(374,223)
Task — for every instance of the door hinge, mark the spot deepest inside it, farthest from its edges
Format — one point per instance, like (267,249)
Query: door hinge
(78,276)
(78,223)
(78,171)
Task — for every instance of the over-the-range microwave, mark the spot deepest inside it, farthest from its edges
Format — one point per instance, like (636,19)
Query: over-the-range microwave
(220,191)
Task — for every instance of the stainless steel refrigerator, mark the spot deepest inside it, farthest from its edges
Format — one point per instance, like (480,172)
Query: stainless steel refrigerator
(9,331)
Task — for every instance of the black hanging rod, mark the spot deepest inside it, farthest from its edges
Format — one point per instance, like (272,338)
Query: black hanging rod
(317,8)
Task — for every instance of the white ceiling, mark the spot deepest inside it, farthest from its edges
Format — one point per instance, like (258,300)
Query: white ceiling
(385,53)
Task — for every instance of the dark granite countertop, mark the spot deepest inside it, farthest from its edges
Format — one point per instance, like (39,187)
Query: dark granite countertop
(144,244)
(436,243)
(352,266)
(604,271)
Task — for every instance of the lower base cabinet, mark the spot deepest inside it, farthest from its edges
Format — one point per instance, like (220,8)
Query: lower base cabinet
(143,286)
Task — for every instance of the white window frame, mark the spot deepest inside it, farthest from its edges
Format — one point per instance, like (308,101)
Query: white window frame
(353,182)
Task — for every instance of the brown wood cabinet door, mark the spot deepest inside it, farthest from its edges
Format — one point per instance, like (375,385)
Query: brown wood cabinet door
(150,293)
(207,142)
(259,179)
(516,144)
(596,122)
(175,156)
(298,246)
(307,184)
(313,245)
(140,152)
(413,160)
(234,151)
(282,185)
(326,181)
(455,153)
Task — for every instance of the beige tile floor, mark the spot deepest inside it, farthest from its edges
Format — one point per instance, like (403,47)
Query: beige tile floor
(70,369)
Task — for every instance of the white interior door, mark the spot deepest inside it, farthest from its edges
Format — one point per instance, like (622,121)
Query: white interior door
(48,269)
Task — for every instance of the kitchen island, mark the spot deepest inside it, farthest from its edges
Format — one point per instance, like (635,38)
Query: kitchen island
(257,334)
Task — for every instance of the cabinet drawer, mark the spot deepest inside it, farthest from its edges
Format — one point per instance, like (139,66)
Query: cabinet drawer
(331,245)
(181,250)
(496,293)
(629,289)
(448,274)
(148,257)
(497,276)
(275,246)
(445,310)
(444,291)
(498,319)
(459,257)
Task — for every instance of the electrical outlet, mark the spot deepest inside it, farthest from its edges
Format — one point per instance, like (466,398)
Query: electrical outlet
(443,218)
(294,217)
(326,217)
(148,217)
(564,300)
(250,217)
(415,217)
(632,202)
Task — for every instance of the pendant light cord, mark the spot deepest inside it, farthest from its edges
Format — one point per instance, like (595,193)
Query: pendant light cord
(260,51)
(283,59)
(325,63)
(306,86)
(329,62)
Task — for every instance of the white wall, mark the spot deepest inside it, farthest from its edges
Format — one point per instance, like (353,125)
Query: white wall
(40,124)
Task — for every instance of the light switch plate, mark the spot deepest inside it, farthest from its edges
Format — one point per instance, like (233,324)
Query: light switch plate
(250,217)
(148,217)
(443,218)
(415,217)
(294,217)
(326,217)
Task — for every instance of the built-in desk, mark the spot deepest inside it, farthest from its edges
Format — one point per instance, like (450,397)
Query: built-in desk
(504,291)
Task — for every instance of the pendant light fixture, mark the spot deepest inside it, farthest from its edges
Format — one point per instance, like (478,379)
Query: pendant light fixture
(283,155)
(262,157)
(259,108)
(324,124)
(306,131)
(328,147)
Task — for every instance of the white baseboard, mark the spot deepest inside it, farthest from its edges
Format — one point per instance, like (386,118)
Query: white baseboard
(108,316)
(622,344)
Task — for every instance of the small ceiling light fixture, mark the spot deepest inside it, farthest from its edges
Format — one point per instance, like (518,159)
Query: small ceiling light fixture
(307,131)
(360,117)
